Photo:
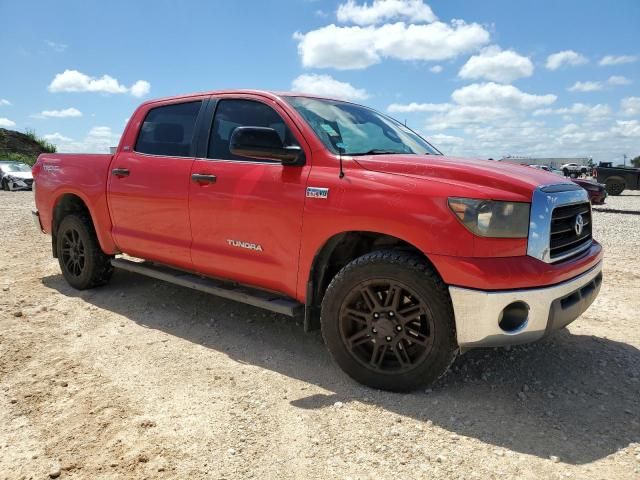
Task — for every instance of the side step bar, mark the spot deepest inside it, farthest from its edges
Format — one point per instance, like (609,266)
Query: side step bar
(231,291)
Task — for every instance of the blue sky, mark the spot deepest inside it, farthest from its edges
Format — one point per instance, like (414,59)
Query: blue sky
(479,78)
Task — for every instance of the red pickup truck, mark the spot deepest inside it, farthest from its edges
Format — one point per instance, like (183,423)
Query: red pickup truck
(311,206)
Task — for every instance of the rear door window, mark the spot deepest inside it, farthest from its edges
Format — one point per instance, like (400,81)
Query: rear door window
(168,130)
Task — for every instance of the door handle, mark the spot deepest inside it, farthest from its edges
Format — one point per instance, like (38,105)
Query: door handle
(120,172)
(203,178)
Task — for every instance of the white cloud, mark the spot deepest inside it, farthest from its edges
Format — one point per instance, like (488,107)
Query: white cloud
(4,102)
(56,138)
(593,112)
(477,104)
(498,65)
(75,81)
(566,57)
(446,140)
(382,10)
(58,47)
(97,140)
(617,60)
(418,107)
(355,47)
(140,88)
(618,80)
(5,122)
(436,69)
(627,128)
(457,116)
(630,106)
(326,85)
(493,94)
(585,87)
(66,113)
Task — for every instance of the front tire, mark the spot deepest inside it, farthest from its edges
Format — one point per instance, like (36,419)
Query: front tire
(388,321)
(82,261)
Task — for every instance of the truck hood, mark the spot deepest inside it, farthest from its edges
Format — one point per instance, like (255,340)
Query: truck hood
(487,177)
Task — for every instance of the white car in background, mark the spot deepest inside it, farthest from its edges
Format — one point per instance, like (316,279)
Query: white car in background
(15,176)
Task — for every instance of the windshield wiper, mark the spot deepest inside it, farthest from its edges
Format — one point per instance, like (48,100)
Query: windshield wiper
(377,151)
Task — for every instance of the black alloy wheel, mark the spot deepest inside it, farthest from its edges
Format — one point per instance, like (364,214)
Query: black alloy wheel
(386,326)
(388,321)
(73,252)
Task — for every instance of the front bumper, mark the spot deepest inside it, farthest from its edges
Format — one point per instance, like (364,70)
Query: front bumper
(478,312)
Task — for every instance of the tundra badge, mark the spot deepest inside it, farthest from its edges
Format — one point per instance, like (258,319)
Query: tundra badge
(317,192)
(247,245)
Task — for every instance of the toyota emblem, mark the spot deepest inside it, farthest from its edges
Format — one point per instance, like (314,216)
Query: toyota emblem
(579,225)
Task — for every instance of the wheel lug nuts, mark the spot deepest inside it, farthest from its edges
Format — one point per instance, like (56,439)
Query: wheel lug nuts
(376,315)
(391,314)
(388,339)
(374,330)
(398,328)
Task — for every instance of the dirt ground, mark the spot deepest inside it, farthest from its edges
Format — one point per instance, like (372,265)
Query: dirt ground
(141,379)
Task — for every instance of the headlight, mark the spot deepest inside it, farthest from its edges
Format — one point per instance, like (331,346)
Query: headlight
(489,218)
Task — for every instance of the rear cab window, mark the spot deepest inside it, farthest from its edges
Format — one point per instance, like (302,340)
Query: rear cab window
(168,130)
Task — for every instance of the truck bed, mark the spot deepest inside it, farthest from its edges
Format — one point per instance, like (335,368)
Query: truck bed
(82,174)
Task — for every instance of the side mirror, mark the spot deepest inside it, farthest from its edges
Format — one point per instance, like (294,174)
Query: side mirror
(264,143)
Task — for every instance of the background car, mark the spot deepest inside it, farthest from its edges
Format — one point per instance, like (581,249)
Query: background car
(574,170)
(541,167)
(597,191)
(15,176)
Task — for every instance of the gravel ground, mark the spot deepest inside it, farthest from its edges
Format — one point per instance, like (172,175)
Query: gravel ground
(141,379)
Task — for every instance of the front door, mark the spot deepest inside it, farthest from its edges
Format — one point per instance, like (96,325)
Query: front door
(246,222)
(149,186)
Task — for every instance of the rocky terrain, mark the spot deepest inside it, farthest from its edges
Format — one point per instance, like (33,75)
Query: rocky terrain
(141,379)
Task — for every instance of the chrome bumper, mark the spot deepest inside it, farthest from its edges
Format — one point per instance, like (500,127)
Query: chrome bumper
(479,312)
(36,220)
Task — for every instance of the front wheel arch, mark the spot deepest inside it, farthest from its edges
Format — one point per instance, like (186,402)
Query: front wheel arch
(336,253)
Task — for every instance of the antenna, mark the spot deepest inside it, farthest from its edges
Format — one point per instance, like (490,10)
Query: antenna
(341,175)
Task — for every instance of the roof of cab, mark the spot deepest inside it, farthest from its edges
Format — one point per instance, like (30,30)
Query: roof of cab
(264,93)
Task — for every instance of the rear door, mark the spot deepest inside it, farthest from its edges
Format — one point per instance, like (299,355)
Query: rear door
(149,184)
(246,217)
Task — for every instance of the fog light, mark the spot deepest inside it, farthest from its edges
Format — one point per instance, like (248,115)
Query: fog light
(514,317)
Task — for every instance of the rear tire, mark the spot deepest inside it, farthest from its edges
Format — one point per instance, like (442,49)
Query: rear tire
(82,261)
(615,187)
(388,322)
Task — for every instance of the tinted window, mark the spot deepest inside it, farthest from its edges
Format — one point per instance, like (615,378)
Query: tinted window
(231,114)
(169,130)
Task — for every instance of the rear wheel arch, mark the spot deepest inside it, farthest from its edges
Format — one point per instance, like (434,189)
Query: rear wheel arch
(337,252)
(67,204)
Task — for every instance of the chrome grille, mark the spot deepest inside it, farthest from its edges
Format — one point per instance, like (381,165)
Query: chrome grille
(565,239)
(552,234)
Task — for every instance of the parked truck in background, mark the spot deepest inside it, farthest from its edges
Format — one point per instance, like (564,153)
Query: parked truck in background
(617,179)
(404,257)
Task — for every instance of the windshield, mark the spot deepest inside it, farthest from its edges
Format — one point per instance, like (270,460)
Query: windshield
(356,130)
(15,167)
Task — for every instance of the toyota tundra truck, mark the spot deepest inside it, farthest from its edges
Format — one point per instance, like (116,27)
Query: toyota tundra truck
(334,213)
